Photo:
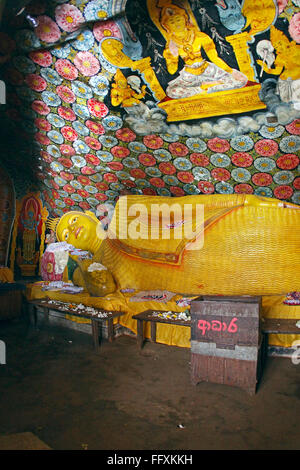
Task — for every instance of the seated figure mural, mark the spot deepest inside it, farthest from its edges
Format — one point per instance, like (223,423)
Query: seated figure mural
(185,40)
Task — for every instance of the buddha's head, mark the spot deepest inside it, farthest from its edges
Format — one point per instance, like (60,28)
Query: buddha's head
(80,229)
(174,19)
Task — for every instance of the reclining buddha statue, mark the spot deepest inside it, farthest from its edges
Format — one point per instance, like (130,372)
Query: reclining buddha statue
(205,244)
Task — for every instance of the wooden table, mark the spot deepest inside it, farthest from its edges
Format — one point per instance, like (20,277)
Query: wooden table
(46,305)
(148,315)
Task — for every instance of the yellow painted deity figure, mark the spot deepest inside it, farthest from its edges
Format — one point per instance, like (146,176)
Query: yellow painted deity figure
(122,94)
(30,223)
(259,14)
(185,40)
(284,66)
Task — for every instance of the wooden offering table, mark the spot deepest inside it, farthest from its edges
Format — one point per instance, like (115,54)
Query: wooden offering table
(79,310)
(157,316)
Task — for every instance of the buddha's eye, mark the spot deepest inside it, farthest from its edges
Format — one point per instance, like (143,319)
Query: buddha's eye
(65,235)
(74,220)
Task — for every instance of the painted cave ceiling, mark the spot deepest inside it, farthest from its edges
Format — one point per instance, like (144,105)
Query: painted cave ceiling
(158,97)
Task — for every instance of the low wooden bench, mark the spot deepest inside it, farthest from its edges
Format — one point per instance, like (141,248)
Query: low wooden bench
(148,315)
(100,315)
(279,326)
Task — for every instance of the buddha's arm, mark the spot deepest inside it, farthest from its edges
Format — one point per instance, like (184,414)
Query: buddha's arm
(171,61)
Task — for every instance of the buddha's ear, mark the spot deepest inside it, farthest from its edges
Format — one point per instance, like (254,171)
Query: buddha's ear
(92,216)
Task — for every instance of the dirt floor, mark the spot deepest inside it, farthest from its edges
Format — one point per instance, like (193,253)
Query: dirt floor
(55,386)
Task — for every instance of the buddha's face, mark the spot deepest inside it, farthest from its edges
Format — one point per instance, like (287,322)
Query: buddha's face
(176,23)
(78,229)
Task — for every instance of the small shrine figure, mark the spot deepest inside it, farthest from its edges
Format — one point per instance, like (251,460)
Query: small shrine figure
(122,93)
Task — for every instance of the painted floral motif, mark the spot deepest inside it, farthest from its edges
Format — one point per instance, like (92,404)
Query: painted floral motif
(224,188)
(112,123)
(50,98)
(271,132)
(66,113)
(137,147)
(42,58)
(96,10)
(294,27)
(264,164)
(283,177)
(99,85)
(125,134)
(47,30)
(241,175)
(185,176)
(84,41)
(153,141)
(147,159)
(182,163)
(35,82)
(220,160)
(220,174)
(266,147)
(162,155)
(61,51)
(294,127)
(108,141)
(289,161)
(196,145)
(283,192)
(218,145)
(106,29)
(262,179)
(87,63)
(242,159)
(206,187)
(66,69)
(65,94)
(40,107)
(95,127)
(167,168)
(242,143)
(68,17)
(243,188)
(55,120)
(199,159)
(81,89)
(290,144)
(263,191)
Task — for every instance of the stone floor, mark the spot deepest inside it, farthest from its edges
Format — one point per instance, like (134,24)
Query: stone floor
(56,387)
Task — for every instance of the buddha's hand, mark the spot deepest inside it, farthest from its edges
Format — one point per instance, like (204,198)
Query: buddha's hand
(98,280)
(263,65)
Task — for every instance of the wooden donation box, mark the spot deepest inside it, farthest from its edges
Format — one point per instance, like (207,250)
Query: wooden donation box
(226,343)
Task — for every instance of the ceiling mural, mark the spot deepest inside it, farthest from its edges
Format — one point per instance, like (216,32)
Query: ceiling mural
(158,97)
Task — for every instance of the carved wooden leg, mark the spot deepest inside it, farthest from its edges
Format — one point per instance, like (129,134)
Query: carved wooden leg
(153,332)
(95,333)
(110,329)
